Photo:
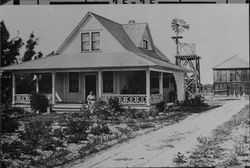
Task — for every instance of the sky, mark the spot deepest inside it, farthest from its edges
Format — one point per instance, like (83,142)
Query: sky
(218,30)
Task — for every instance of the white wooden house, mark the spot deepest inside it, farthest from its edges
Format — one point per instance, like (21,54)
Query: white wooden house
(108,58)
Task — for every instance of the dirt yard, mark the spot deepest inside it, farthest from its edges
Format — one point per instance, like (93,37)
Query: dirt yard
(159,148)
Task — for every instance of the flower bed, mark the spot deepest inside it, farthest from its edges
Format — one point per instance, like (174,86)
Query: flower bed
(49,140)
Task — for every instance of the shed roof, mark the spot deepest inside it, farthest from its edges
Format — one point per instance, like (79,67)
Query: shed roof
(234,62)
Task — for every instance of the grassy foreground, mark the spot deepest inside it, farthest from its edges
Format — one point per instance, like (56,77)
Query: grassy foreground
(229,145)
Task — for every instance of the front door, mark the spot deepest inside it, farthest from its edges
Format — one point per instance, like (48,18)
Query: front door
(90,84)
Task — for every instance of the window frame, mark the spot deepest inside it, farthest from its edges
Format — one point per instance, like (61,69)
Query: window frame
(78,82)
(91,41)
(85,41)
(145,47)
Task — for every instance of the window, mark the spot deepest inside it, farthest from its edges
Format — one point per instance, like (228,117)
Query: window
(166,81)
(232,76)
(85,42)
(108,82)
(90,41)
(16,2)
(145,44)
(154,83)
(73,82)
(95,41)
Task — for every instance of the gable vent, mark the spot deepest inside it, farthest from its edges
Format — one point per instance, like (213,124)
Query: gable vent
(131,22)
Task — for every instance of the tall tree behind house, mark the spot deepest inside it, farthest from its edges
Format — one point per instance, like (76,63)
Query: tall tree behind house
(10,49)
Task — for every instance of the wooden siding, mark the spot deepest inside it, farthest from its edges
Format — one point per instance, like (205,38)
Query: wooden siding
(107,42)
(230,82)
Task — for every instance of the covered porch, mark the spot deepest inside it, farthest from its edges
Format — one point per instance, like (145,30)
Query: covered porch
(134,87)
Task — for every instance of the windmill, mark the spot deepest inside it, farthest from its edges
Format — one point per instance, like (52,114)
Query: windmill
(178,26)
(186,59)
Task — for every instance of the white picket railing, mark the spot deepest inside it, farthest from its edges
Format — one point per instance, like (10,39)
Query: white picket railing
(127,98)
(25,98)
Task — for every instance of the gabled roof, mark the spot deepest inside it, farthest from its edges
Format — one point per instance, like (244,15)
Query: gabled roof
(135,31)
(234,62)
(118,33)
(134,57)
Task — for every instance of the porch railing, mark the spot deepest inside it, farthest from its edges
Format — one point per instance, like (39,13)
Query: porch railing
(25,98)
(127,98)
(134,98)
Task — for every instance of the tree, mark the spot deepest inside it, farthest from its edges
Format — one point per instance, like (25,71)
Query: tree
(10,48)
(30,46)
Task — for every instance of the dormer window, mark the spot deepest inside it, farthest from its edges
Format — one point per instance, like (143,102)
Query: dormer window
(145,44)
(90,41)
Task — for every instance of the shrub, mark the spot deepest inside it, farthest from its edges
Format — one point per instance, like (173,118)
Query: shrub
(101,109)
(180,158)
(107,110)
(141,114)
(99,129)
(39,102)
(130,112)
(85,112)
(76,128)
(133,113)
(113,102)
(146,125)
(153,112)
(160,106)
(9,123)
(124,131)
(38,134)
(198,100)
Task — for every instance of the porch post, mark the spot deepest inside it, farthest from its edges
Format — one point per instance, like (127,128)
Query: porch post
(99,83)
(13,87)
(161,84)
(148,87)
(53,88)
(37,83)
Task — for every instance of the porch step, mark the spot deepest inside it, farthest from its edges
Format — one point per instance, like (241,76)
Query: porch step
(67,108)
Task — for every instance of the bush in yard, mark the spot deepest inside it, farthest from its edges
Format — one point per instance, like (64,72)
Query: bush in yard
(76,128)
(198,100)
(101,109)
(153,112)
(39,102)
(141,114)
(38,134)
(9,122)
(146,125)
(107,110)
(99,129)
(180,158)
(160,106)
(113,102)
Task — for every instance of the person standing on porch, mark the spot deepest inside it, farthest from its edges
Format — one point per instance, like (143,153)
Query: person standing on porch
(91,101)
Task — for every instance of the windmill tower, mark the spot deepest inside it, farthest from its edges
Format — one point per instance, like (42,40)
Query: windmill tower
(186,57)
